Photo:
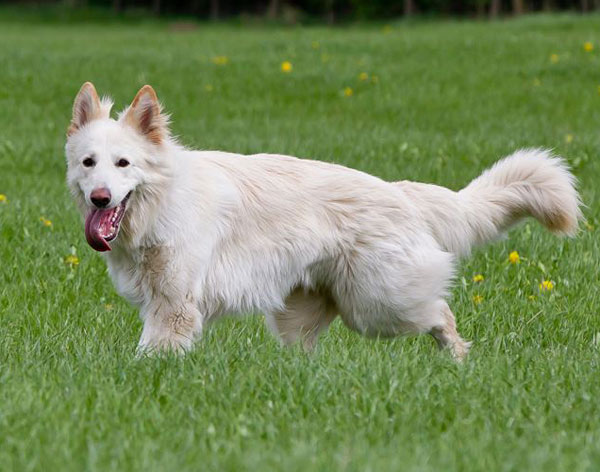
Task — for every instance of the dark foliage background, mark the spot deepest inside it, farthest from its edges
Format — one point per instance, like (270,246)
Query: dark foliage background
(330,11)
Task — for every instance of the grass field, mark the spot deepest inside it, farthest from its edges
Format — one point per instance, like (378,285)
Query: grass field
(440,102)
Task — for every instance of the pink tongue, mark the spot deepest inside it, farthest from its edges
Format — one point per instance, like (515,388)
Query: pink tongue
(93,226)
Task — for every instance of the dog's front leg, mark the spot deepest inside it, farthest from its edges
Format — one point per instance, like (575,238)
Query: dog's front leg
(170,313)
(169,326)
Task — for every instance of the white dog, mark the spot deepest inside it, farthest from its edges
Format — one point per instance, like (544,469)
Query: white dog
(193,235)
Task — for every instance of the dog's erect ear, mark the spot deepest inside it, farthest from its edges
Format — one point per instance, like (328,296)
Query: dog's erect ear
(86,107)
(145,115)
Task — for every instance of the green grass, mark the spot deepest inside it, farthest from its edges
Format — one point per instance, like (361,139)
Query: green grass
(450,99)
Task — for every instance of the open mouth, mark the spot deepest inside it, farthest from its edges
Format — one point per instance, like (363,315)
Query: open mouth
(102,225)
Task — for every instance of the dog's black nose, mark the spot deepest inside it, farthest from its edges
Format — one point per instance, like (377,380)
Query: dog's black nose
(100,197)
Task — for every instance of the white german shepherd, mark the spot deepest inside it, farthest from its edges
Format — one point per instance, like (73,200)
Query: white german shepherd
(193,235)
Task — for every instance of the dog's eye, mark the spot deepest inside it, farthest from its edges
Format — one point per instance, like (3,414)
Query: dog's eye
(122,163)
(89,162)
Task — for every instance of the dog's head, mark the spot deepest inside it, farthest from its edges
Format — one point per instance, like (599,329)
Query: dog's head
(109,161)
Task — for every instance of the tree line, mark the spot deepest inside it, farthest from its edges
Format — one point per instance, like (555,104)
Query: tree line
(332,11)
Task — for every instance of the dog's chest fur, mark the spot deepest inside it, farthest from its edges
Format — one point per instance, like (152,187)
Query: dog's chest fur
(140,274)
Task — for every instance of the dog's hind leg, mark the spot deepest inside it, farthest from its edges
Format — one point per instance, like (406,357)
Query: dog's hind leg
(305,316)
(448,338)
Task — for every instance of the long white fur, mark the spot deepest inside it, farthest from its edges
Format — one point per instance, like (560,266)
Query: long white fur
(208,233)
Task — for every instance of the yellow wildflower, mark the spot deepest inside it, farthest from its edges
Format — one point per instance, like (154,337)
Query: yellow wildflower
(108,306)
(45,221)
(531,297)
(363,76)
(569,138)
(220,60)
(514,257)
(588,46)
(348,92)
(3,198)
(477,299)
(478,278)
(286,66)
(546,286)
(554,58)
(208,88)
(315,45)
(72,260)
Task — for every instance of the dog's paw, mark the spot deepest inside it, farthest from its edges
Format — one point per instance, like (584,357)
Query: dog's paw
(171,343)
(460,349)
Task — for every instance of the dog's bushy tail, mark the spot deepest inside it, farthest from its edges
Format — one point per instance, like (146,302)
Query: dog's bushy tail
(527,183)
